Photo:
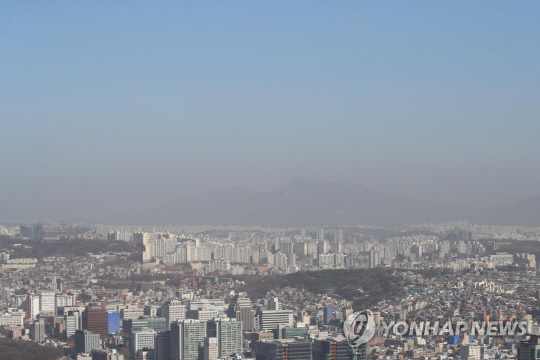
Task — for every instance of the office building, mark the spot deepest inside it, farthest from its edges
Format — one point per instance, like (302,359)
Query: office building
(283,350)
(206,304)
(37,331)
(327,314)
(187,340)
(131,312)
(228,334)
(47,303)
(271,319)
(32,306)
(96,319)
(71,325)
(172,312)
(335,349)
(292,332)
(86,341)
(529,349)
(470,352)
(241,309)
(143,339)
(162,346)
(205,315)
(273,304)
(210,348)
(65,300)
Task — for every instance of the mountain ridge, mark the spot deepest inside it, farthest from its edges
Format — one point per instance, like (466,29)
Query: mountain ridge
(300,202)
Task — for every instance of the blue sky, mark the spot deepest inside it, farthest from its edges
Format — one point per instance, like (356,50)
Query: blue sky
(134,102)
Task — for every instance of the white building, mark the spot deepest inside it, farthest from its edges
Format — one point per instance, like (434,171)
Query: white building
(210,349)
(32,306)
(205,315)
(271,319)
(15,319)
(470,352)
(143,339)
(47,303)
(173,312)
(65,300)
(131,312)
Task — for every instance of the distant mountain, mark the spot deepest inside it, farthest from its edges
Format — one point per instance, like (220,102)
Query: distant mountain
(525,212)
(301,202)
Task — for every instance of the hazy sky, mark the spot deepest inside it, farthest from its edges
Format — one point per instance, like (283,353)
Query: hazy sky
(108,105)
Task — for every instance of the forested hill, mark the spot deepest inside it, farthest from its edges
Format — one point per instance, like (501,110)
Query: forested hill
(365,287)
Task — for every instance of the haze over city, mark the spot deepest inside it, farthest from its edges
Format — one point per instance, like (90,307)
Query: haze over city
(108,107)
(258,180)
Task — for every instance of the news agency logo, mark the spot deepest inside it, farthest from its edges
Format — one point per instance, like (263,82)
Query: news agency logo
(359,328)
(442,328)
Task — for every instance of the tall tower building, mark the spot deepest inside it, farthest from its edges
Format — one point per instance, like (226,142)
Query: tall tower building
(71,325)
(327,314)
(187,340)
(228,333)
(32,306)
(37,331)
(162,346)
(240,308)
(338,235)
(323,246)
(374,258)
